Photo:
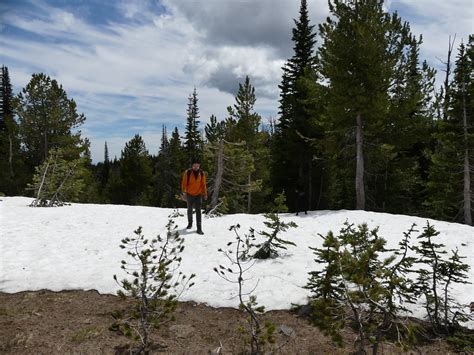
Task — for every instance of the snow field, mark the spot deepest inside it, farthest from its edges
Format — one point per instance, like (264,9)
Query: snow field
(77,247)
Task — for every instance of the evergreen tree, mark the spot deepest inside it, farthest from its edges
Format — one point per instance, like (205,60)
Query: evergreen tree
(450,179)
(105,167)
(164,139)
(269,248)
(11,179)
(58,180)
(357,285)
(244,126)
(192,136)
(114,191)
(47,118)
(232,164)
(366,53)
(436,279)
(169,168)
(135,170)
(154,284)
(214,130)
(242,113)
(292,154)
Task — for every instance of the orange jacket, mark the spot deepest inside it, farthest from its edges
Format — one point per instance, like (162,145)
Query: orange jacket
(195,186)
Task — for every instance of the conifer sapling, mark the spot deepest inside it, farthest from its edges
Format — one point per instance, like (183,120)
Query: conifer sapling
(155,285)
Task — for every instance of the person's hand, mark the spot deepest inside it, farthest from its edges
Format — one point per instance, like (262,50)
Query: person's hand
(205,197)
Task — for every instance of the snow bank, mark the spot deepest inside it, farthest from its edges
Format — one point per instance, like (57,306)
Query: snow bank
(77,247)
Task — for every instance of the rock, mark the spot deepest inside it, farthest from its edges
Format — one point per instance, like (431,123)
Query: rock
(288,331)
(304,311)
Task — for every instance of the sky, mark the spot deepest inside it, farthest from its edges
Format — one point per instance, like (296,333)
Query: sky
(131,65)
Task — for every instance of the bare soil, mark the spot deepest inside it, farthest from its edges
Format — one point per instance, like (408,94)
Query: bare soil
(77,322)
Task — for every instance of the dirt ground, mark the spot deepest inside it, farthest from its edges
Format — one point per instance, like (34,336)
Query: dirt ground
(77,322)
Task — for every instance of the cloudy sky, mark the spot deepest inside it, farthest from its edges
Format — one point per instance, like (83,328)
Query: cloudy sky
(131,64)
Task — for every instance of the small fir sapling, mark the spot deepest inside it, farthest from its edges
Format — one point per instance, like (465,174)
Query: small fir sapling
(274,243)
(155,284)
(258,335)
(454,271)
(435,281)
(326,288)
(357,287)
(400,290)
(429,278)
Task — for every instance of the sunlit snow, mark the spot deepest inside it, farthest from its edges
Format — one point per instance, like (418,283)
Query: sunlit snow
(77,247)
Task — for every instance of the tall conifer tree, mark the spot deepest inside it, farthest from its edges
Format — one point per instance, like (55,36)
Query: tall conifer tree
(47,119)
(450,177)
(10,159)
(292,154)
(192,136)
(135,170)
(105,167)
(245,128)
(365,53)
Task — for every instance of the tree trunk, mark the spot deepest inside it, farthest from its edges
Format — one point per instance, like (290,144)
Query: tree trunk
(36,202)
(467,172)
(310,184)
(219,174)
(447,88)
(359,178)
(45,153)
(10,156)
(249,197)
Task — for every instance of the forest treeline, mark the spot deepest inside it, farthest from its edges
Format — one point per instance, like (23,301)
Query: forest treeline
(361,125)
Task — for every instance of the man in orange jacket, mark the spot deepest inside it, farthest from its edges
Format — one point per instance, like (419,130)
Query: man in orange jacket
(194,188)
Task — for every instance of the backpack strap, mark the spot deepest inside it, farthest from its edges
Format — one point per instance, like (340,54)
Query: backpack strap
(189,174)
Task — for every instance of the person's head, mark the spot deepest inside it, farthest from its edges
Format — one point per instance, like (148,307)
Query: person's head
(196,164)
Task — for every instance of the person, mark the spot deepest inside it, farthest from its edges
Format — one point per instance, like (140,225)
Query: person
(301,203)
(194,189)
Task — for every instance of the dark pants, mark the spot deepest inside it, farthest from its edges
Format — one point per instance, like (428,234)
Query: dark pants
(194,202)
(301,203)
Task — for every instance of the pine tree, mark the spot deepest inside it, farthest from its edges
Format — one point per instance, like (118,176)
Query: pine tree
(169,168)
(292,154)
(58,180)
(245,127)
(192,136)
(154,284)
(450,179)
(47,119)
(11,177)
(435,281)
(257,335)
(214,130)
(135,170)
(105,167)
(232,164)
(365,54)
(164,139)
(269,248)
(355,284)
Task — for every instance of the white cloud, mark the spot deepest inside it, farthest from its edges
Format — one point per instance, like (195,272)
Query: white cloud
(436,21)
(144,69)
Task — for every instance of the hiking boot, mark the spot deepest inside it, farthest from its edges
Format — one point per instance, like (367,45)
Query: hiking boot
(200,232)
(189,226)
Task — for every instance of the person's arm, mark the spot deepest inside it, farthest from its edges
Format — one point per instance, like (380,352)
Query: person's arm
(204,189)
(183,183)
